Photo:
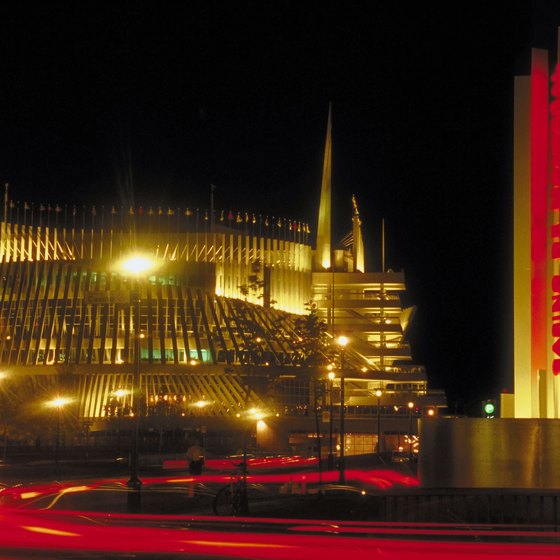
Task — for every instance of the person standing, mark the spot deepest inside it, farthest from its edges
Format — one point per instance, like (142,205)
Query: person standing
(195,458)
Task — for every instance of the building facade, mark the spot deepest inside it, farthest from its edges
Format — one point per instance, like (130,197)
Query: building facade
(210,337)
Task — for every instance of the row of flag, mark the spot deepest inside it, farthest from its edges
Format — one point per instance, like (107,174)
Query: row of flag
(225,217)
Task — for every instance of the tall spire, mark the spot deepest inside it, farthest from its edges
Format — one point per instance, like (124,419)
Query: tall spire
(323,251)
(358,242)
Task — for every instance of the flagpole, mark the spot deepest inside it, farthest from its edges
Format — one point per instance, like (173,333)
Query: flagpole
(6,186)
(383,245)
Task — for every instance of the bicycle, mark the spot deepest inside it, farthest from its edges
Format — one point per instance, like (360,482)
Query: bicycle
(232,499)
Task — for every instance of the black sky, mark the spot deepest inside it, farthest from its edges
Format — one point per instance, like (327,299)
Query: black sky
(236,94)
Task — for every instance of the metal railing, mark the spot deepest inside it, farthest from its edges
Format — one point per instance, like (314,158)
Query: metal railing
(488,506)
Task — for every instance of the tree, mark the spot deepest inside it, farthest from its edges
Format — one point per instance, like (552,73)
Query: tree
(256,285)
(312,342)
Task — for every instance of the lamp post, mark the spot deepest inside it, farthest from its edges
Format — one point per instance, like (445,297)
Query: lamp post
(87,425)
(251,418)
(135,266)
(330,458)
(134,483)
(58,403)
(342,341)
(378,394)
(410,408)
(201,405)
(119,394)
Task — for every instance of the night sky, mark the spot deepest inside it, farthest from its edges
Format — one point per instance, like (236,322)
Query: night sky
(179,96)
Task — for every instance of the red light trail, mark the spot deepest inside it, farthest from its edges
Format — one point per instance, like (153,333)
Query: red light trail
(31,523)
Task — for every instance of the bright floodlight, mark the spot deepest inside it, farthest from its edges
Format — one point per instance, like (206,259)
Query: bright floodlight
(255,414)
(201,404)
(58,402)
(342,341)
(137,264)
(378,393)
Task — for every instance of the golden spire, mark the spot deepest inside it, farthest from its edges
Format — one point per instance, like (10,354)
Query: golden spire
(322,260)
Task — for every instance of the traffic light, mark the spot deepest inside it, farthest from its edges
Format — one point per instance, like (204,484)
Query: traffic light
(489,408)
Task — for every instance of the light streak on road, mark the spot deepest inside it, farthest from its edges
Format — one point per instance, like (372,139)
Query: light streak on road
(37,518)
(99,535)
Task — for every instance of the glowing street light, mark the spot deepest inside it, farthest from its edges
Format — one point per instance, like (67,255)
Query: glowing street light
(59,403)
(342,341)
(254,415)
(378,394)
(136,265)
(330,459)
(410,409)
(201,405)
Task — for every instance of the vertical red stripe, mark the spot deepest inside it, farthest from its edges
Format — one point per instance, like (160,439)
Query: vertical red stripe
(554,207)
(539,174)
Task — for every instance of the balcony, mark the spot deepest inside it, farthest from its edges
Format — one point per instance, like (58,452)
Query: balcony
(358,302)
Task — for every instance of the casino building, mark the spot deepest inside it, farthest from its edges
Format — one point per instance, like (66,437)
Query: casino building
(212,335)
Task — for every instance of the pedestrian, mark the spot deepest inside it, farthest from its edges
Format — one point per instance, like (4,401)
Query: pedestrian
(195,458)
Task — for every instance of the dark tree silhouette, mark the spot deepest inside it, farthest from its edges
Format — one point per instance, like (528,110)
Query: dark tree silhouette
(312,343)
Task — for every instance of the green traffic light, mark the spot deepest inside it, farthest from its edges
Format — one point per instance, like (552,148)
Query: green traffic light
(489,408)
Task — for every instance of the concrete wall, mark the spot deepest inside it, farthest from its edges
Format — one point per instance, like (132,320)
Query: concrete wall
(489,453)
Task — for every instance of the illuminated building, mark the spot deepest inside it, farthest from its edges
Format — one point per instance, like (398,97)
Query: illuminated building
(214,320)
(536,241)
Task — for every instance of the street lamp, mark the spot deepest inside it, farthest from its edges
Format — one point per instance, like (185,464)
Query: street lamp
(330,459)
(201,405)
(378,394)
(253,415)
(342,341)
(135,266)
(410,408)
(58,403)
